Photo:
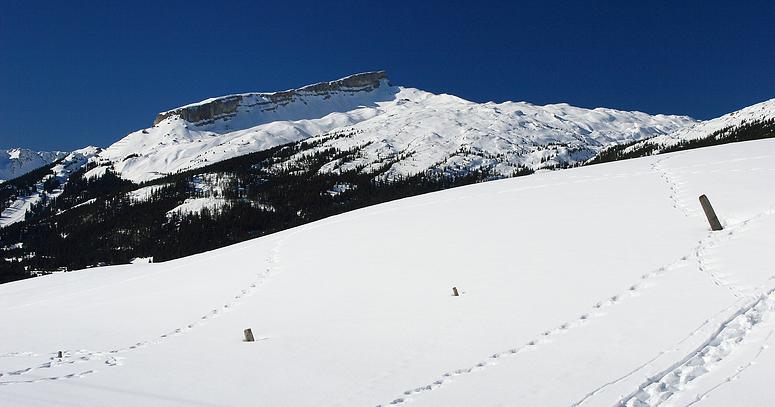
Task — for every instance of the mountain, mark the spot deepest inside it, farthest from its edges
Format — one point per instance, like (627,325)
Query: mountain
(750,123)
(754,113)
(431,131)
(592,286)
(19,161)
(40,185)
(233,168)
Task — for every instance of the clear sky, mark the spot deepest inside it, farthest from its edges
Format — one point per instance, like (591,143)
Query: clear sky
(79,73)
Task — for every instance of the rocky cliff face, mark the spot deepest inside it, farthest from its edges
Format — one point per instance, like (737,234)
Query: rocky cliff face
(213,109)
(218,108)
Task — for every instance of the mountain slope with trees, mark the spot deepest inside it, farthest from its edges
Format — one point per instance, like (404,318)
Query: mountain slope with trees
(97,207)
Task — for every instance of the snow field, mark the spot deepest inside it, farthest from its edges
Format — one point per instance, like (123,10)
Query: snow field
(600,285)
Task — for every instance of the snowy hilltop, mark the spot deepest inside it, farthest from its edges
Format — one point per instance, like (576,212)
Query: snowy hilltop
(760,111)
(340,238)
(592,286)
(231,168)
(423,130)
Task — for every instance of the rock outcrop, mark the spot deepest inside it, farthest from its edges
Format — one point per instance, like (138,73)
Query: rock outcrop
(226,106)
(208,111)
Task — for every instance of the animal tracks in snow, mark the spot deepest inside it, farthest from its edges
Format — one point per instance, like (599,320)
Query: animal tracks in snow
(661,389)
(714,239)
(673,184)
(583,318)
(54,362)
(111,358)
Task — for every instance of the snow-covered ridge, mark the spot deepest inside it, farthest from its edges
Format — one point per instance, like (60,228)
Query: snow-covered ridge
(447,133)
(240,124)
(595,286)
(19,161)
(225,106)
(759,111)
(60,173)
(429,130)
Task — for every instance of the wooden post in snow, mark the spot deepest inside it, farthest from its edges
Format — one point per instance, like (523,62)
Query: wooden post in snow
(249,335)
(710,213)
(59,354)
(454,292)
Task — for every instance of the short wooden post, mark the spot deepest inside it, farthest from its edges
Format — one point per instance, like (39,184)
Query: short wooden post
(59,354)
(710,213)
(249,335)
(454,292)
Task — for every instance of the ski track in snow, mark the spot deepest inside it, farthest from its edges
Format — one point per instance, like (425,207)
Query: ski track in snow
(660,387)
(657,389)
(698,253)
(729,335)
(738,371)
(647,363)
(711,240)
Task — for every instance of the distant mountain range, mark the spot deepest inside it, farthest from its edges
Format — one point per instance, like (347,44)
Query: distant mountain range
(275,160)
(19,161)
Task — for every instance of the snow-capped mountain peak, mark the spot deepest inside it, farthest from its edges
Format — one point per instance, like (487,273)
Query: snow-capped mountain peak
(15,162)
(392,120)
(229,126)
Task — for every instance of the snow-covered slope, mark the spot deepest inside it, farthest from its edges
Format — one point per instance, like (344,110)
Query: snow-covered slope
(594,286)
(19,161)
(423,129)
(760,111)
(70,163)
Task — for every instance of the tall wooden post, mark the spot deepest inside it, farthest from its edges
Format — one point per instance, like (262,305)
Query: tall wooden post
(710,213)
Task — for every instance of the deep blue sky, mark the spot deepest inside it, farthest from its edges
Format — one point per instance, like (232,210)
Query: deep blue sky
(73,74)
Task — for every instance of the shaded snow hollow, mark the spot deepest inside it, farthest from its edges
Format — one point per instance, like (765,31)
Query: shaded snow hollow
(593,286)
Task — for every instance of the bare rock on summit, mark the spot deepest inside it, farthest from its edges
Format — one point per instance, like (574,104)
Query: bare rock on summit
(209,111)
(226,106)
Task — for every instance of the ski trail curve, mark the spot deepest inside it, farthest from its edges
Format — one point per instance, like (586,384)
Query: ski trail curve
(737,373)
(732,231)
(660,387)
(653,359)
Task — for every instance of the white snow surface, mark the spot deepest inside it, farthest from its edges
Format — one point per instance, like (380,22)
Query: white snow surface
(196,205)
(594,286)
(758,111)
(145,193)
(74,161)
(393,119)
(18,208)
